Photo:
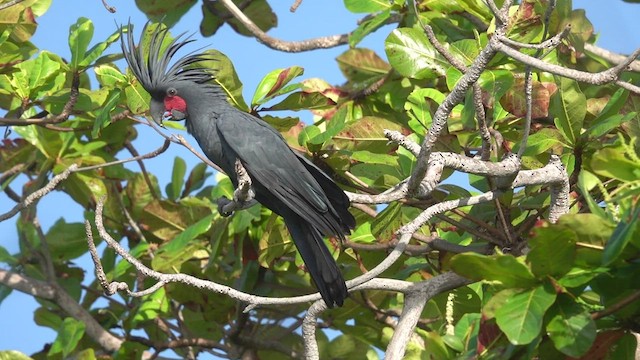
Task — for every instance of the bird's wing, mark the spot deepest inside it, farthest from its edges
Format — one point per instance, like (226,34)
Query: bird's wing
(269,161)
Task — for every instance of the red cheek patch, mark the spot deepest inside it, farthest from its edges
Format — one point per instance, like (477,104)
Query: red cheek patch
(175,103)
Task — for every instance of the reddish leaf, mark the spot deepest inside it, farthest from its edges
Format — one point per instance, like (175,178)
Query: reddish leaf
(514,100)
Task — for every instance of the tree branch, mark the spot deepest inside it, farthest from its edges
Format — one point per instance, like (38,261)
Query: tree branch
(277,44)
(55,293)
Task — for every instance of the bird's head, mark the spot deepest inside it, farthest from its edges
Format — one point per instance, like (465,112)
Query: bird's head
(171,85)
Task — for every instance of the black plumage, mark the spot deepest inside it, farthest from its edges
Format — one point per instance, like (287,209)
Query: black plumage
(310,202)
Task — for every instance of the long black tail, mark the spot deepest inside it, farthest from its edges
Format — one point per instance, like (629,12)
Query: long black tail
(318,260)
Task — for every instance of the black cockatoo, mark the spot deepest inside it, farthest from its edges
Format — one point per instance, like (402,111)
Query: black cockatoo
(310,203)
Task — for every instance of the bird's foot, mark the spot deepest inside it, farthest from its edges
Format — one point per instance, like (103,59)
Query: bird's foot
(223,206)
(226,207)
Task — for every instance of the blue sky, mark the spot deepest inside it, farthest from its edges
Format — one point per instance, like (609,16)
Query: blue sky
(614,20)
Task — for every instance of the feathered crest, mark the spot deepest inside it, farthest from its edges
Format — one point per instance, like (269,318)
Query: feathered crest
(154,71)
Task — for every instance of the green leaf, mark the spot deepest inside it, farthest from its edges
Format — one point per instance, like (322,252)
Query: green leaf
(577,276)
(589,228)
(368,157)
(152,306)
(613,163)
(137,98)
(80,35)
(166,12)
(109,75)
(171,253)
(45,317)
(6,257)
(622,235)
(38,72)
(604,126)
(368,26)
(496,83)
(226,77)
(552,251)
(420,108)
(215,15)
(274,242)
(521,315)
(615,103)
(308,133)
(273,83)
(378,175)
(504,270)
(367,134)
(571,328)
(362,234)
(625,347)
(66,240)
(196,178)
(103,116)
(333,127)
(362,65)
(13,355)
(97,50)
(69,336)
(541,141)
(388,220)
(347,347)
(177,178)
(303,101)
(569,104)
(412,55)
(366,6)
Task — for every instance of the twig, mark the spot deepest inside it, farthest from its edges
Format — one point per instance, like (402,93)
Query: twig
(632,298)
(277,44)
(498,13)
(9,4)
(295,5)
(179,343)
(44,290)
(111,9)
(611,56)
(39,193)
(10,172)
(548,44)
(132,150)
(149,155)
(600,78)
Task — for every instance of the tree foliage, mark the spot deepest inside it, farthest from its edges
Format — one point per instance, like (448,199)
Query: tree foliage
(546,266)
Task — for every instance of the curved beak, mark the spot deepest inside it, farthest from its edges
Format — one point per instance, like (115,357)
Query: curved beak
(156,108)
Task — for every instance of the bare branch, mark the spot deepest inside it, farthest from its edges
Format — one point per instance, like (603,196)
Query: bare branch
(149,155)
(500,15)
(48,291)
(611,56)
(600,78)
(111,9)
(441,115)
(295,5)
(253,300)
(277,44)
(548,44)
(39,193)
(414,302)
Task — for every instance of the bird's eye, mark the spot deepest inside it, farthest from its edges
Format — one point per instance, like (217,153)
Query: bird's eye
(171,91)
